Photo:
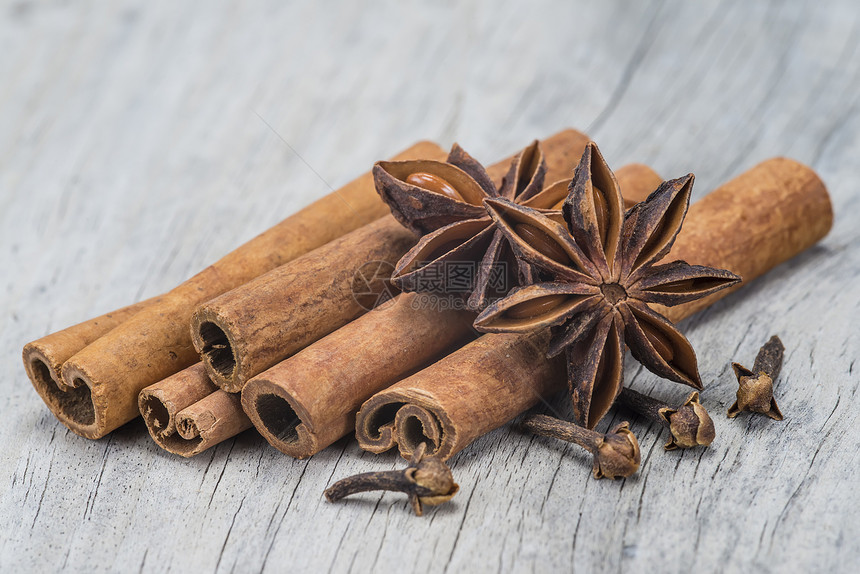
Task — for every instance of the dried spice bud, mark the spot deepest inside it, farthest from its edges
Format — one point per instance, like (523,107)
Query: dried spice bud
(755,388)
(616,453)
(690,424)
(602,263)
(427,480)
(443,202)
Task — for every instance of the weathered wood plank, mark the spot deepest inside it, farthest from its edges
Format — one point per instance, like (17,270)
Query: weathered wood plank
(142,140)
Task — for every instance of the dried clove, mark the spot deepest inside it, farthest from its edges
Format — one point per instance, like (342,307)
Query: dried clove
(689,424)
(616,453)
(755,388)
(427,480)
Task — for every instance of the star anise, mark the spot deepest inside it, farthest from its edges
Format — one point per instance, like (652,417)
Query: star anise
(443,202)
(597,275)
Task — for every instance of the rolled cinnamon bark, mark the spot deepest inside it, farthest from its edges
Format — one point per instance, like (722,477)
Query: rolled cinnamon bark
(186,413)
(44,358)
(749,225)
(155,343)
(761,219)
(305,403)
(250,329)
(308,401)
(211,420)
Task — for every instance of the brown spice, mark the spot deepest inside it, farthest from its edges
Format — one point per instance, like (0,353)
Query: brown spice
(755,388)
(250,329)
(187,414)
(305,403)
(461,397)
(247,330)
(44,358)
(455,231)
(308,401)
(489,381)
(155,343)
(211,420)
(689,424)
(609,274)
(427,480)
(616,453)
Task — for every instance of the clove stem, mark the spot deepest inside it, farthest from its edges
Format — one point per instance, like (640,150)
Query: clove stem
(642,404)
(616,453)
(427,480)
(392,480)
(555,428)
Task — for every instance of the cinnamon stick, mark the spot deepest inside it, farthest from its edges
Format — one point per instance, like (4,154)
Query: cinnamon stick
(186,413)
(250,329)
(160,403)
(155,343)
(766,216)
(305,403)
(44,358)
(749,225)
(211,420)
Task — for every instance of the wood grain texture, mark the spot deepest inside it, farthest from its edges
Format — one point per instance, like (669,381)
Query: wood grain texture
(140,141)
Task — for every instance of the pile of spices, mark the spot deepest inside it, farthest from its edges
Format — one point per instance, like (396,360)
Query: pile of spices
(304,334)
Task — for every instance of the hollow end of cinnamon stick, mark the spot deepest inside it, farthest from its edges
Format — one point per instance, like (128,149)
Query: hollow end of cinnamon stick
(275,414)
(186,413)
(217,351)
(309,400)
(160,416)
(73,406)
(84,413)
(210,421)
(161,403)
(158,413)
(394,419)
(44,359)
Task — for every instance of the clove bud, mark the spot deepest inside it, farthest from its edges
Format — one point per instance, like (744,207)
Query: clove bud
(427,480)
(616,453)
(755,387)
(690,424)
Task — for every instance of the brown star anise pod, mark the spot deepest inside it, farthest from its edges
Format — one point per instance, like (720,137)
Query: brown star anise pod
(443,202)
(598,273)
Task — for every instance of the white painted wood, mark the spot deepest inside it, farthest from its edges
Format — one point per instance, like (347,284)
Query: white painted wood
(134,149)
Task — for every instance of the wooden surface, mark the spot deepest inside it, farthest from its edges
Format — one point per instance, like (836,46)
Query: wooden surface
(141,140)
